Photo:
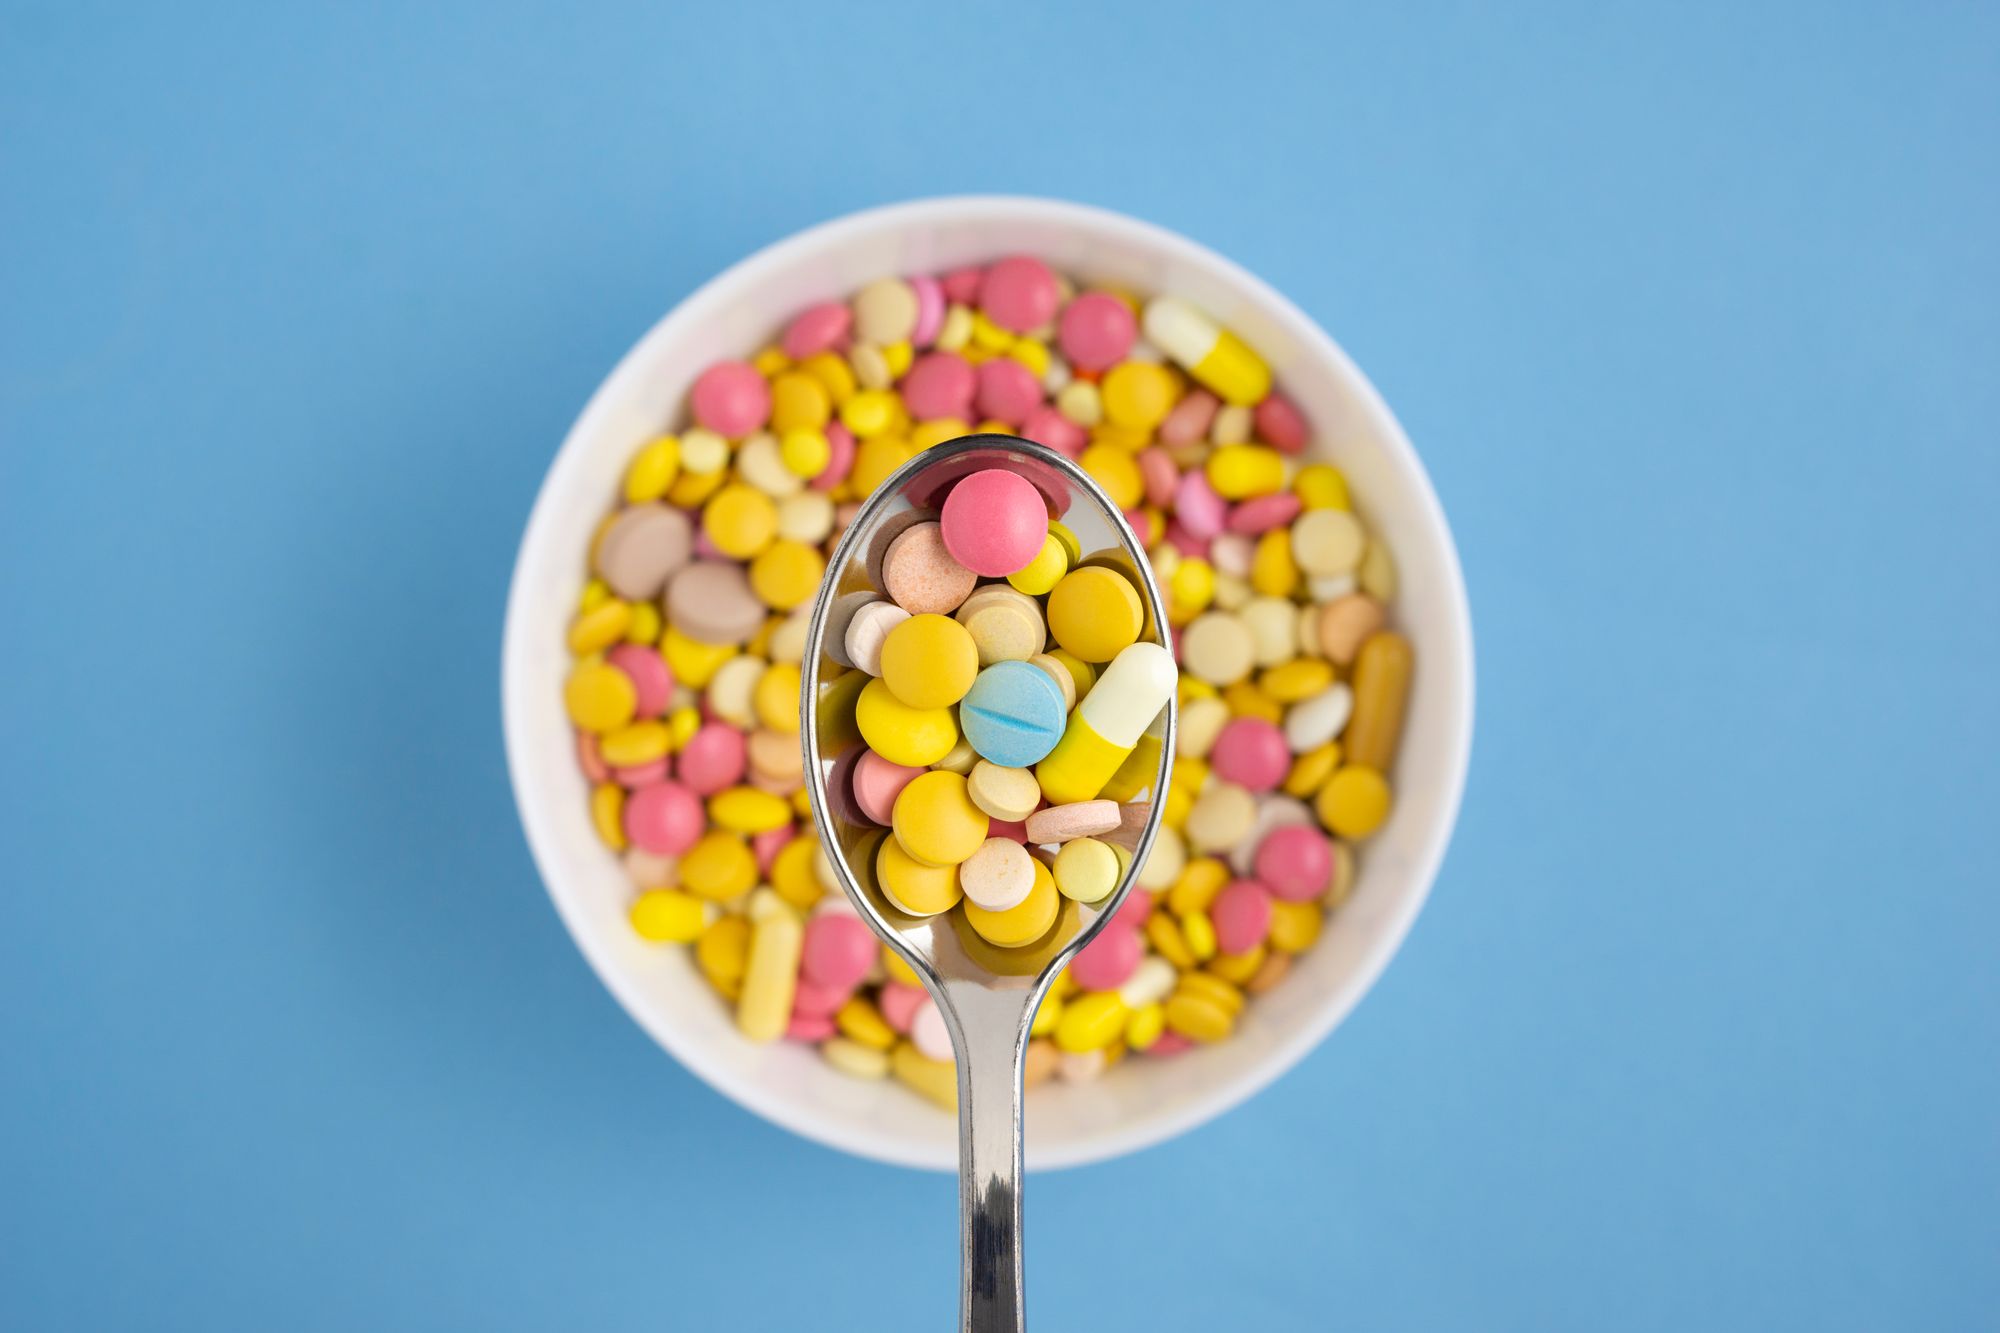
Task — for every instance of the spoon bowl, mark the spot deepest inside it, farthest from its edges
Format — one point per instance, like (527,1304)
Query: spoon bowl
(987,995)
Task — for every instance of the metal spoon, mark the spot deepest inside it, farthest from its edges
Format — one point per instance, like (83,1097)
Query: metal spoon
(986,995)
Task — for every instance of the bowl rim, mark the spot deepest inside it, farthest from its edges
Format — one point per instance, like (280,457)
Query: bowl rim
(517,703)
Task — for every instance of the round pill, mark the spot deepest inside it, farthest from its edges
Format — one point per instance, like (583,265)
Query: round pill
(1110,959)
(1007,794)
(994,523)
(1019,293)
(1313,722)
(1078,819)
(929,1033)
(731,399)
(1188,423)
(940,385)
(816,329)
(712,602)
(1096,331)
(1007,391)
(1005,625)
(643,547)
(1040,574)
(599,696)
(1355,801)
(1294,862)
(1217,648)
(1095,613)
(877,783)
(1251,753)
(1280,423)
(1058,673)
(936,821)
(885,312)
(713,758)
(1327,542)
(920,573)
(997,876)
(1086,870)
(929,661)
(868,633)
(739,521)
(913,737)
(652,680)
(1241,914)
(1220,818)
(1345,622)
(1197,506)
(1013,715)
(1024,923)
(663,817)
(839,952)
(912,887)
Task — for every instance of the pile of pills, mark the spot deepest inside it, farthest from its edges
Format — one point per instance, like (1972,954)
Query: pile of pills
(690,631)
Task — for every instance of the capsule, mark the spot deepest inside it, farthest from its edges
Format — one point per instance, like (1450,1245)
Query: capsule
(1212,354)
(770,981)
(1381,688)
(1106,726)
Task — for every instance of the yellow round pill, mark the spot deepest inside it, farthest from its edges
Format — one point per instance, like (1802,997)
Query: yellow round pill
(876,458)
(786,573)
(1049,565)
(635,743)
(1117,471)
(1086,870)
(1311,770)
(929,661)
(912,737)
(775,698)
(599,697)
(833,373)
(719,866)
(723,953)
(1138,394)
(667,916)
(914,887)
(748,811)
(870,412)
(1091,1022)
(1197,1017)
(1294,926)
(799,402)
(792,873)
(1023,923)
(693,662)
(1354,801)
(1095,614)
(600,627)
(739,520)
(1321,486)
(936,821)
(805,452)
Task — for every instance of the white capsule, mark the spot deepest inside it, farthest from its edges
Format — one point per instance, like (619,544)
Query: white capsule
(1130,694)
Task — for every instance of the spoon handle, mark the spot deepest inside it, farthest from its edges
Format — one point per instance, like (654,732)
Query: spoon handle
(993,1031)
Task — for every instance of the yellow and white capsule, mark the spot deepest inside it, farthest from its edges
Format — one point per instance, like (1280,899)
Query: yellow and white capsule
(1211,353)
(1106,726)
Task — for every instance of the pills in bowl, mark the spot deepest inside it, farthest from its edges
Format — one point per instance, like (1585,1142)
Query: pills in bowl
(1010,684)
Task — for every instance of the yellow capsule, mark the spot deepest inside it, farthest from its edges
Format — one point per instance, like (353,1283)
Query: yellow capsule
(1311,770)
(652,470)
(1198,932)
(1145,1025)
(722,952)
(1202,879)
(1296,680)
(1165,937)
(1294,926)
(667,916)
(599,697)
(1382,671)
(935,1079)
(693,662)
(861,1021)
(770,981)
(748,811)
(600,627)
(1091,1022)
(1273,571)
(607,814)
(635,743)
(771,361)
(719,867)
(1320,486)
(645,627)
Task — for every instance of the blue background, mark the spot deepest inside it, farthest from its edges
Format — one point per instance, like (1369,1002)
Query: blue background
(1693,312)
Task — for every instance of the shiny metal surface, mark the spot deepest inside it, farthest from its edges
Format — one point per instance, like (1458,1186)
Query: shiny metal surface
(987,995)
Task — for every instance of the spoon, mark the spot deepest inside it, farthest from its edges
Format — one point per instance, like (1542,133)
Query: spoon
(986,995)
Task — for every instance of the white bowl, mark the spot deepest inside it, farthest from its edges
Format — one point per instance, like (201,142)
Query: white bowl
(1141,1102)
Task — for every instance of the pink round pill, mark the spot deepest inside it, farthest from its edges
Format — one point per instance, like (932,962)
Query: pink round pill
(839,950)
(652,682)
(1281,425)
(713,758)
(813,1028)
(705,549)
(839,457)
(930,310)
(899,1003)
(1200,510)
(877,784)
(817,328)
(939,385)
(1046,425)
(1252,753)
(1190,419)
(1017,829)
(1097,330)
(765,846)
(594,768)
(1008,391)
(962,284)
(1295,862)
(1134,911)
(663,817)
(1241,914)
(640,775)
(1157,470)
(731,398)
(1020,293)
(816,1000)
(1168,1044)
(1108,962)
(994,523)
(1257,516)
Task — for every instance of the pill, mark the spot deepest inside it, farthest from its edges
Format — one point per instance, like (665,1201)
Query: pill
(1086,869)
(935,820)
(1221,817)
(1212,354)
(1377,573)
(1008,794)
(663,817)
(1327,542)
(1096,331)
(1103,729)
(713,758)
(997,876)
(1345,622)
(644,546)
(1112,957)
(1023,923)
(1295,862)
(868,631)
(1381,687)
(929,661)
(921,575)
(1004,625)
(1311,723)
(913,888)
(771,977)
(913,737)
(1078,819)
(1355,801)
(1019,293)
(994,522)
(711,602)
(731,399)
(1274,811)
(1095,613)
(1013,715)
(1217,648)
(1251,753)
